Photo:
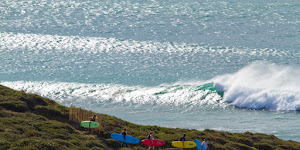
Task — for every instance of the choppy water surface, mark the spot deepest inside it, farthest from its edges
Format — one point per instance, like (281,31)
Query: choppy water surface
(224,65)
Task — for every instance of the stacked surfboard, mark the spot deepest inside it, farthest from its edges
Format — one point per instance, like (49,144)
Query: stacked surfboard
(199,145)
(184,144)
(128,139)
(89,124)
(154,142)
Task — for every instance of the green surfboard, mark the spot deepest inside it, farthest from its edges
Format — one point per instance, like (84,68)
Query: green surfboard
(89,124)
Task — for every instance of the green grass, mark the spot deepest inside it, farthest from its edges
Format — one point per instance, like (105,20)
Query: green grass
(29,121)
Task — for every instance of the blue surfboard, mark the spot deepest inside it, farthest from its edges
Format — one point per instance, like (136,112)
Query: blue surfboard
(128,139)
(199,145)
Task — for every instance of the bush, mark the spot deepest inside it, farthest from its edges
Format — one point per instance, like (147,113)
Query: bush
(263,146)
(10,103)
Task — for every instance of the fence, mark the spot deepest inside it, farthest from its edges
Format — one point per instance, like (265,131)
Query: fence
(78,115)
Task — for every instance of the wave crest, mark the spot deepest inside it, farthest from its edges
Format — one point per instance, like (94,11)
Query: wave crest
(262,85)
(80,93)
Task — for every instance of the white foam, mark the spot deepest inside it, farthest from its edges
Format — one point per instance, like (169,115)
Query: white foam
(40,43)
(262,85)
(68,93)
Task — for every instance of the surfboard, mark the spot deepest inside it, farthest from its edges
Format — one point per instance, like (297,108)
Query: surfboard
(155,142)
(199,145)
(87,124)
(187,144)
(128,139)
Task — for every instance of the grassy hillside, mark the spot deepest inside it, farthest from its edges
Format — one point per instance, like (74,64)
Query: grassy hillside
(29,121)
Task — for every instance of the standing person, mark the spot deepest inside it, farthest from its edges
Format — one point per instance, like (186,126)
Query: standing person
(93,118)
(182,139)
(204,144)
(124,134)
(150,136)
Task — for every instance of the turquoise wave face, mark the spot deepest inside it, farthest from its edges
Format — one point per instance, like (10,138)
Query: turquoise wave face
(211,88)
(205,87)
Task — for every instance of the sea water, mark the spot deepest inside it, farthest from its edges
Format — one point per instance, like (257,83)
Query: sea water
(225,65)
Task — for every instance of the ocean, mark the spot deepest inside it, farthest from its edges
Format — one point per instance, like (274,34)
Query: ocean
(223,65)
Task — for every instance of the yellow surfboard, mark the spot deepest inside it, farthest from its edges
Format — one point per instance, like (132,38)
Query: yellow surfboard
(187,144)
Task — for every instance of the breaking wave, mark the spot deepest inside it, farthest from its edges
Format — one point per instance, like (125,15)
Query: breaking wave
(262,85)
(259,85)
(80,93)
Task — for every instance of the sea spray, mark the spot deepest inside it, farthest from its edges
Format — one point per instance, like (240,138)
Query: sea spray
(262,85)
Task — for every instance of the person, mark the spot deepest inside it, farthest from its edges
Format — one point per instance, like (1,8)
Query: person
(150,136)
(204,144)
(182,139)
(93,118)
(124,134)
